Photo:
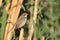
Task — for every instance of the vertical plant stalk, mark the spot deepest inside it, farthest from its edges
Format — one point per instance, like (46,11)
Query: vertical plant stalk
(8,24)
(0,3)
(35,17)
(35,11)
(31,29)
(51,29)
(7,6)
(3,22)
(43,38)
(13,15)
(30,23)
(21,34)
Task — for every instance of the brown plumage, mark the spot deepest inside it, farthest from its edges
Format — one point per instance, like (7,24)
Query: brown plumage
(20,21)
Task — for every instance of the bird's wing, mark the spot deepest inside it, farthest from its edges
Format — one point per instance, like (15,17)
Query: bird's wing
(20,22)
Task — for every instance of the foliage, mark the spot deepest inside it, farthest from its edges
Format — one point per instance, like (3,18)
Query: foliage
(48,23)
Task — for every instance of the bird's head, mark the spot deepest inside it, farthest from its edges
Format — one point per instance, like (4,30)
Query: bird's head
(24,14)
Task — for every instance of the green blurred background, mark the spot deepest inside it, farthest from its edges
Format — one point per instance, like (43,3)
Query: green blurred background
(48,22)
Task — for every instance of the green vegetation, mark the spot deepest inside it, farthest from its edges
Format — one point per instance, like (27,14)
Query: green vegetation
(48,20)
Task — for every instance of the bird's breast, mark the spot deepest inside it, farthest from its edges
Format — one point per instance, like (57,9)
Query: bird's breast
(21,22)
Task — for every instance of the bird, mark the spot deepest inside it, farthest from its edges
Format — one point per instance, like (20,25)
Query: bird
(20,22)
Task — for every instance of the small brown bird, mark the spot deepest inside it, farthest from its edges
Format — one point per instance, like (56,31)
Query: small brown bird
(20,21)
